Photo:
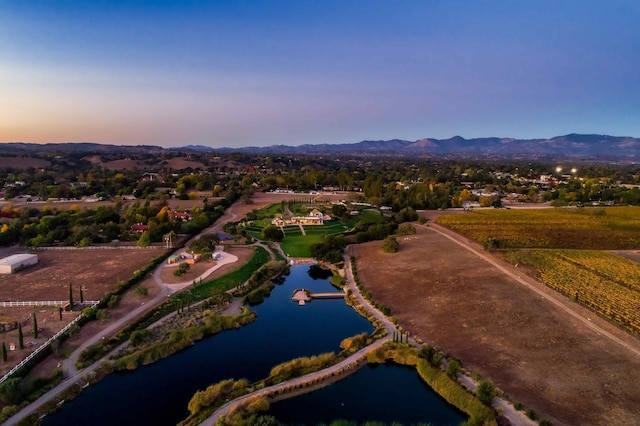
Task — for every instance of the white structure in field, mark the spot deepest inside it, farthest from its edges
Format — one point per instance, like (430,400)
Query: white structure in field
(16,262)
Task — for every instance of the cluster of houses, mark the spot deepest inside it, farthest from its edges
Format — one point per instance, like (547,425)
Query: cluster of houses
(315,217)
(184,216)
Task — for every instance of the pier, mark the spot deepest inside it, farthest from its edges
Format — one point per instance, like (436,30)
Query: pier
(302,295)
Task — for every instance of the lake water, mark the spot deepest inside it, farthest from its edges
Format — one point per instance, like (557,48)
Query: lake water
(158,394)
(385,393)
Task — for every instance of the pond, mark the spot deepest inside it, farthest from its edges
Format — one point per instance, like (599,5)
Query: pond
(385,393)
(159,393)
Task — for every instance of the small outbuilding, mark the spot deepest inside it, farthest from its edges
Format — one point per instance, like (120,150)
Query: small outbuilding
(17,262)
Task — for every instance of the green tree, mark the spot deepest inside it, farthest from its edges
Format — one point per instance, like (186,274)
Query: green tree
(272,233)
(35,326)
(10,390)
(81,295)
(406,229)
(390,245)
(70,297)
(485,392)
(145,239)
(453,367)
(60,313)
(4,352)
(338,210)
(20,337)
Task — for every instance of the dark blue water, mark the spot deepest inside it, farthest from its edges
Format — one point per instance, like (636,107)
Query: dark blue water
(384,393)
(158,394)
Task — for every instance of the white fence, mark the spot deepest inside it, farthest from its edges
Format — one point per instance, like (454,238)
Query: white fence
(103,248)
(45,303)
(44,346)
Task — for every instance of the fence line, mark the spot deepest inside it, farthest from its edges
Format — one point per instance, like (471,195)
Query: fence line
(44,346)
(45,303)
(105,248)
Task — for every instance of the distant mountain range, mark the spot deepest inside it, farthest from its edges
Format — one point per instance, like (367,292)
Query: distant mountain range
(586,147)
(593,147)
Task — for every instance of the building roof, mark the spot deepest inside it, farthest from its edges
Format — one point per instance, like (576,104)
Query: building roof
(16,258)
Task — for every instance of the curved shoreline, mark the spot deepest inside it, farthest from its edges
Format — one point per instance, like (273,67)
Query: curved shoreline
(318,379)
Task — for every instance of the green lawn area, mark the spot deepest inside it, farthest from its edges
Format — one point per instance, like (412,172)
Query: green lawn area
(229,281)
(298,245)
(367,216)
(334,227)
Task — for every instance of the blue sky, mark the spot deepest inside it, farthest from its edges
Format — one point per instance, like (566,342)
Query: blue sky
(255,73)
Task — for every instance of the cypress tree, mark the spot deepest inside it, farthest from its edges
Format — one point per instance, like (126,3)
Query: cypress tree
(4,352)
(70,296)
(81,295)
(35,326)
(20,338)
(60,313)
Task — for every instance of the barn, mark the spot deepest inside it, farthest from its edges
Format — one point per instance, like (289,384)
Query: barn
(16,262)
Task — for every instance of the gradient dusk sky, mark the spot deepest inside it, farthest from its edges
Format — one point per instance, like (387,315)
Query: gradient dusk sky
(255,73)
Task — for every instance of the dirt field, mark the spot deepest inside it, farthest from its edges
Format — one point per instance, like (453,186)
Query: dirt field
(96,270)
(49,280)
(535,352)
(22,162)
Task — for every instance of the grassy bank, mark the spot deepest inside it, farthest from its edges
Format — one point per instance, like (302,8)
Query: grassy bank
(214,290)
(149,350)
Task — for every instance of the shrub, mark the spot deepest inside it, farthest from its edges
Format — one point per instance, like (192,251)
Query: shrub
(138,337)
(114,300)
(90,313)
(485,392)
(390,245)
(142,291)
(453,367)
(103,314)
(406,229)
(531,414)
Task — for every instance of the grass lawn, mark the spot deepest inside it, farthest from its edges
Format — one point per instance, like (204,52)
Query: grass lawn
(229,281)
(298,245)
(366,216)
(326,229)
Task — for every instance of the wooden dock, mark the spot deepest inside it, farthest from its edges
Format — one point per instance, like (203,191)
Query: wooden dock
(302,295)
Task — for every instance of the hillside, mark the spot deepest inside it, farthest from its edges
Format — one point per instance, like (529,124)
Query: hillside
(585,147)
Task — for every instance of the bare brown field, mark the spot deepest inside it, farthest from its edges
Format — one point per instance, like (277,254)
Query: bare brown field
(175,204)
(22,162)
(98,271)
(126,164)
(49,324)
(179,163)
(536,352)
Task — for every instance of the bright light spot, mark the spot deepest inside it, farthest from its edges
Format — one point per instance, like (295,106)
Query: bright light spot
(558,169)
(574,170)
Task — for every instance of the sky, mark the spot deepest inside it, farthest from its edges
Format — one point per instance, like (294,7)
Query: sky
(257,73)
